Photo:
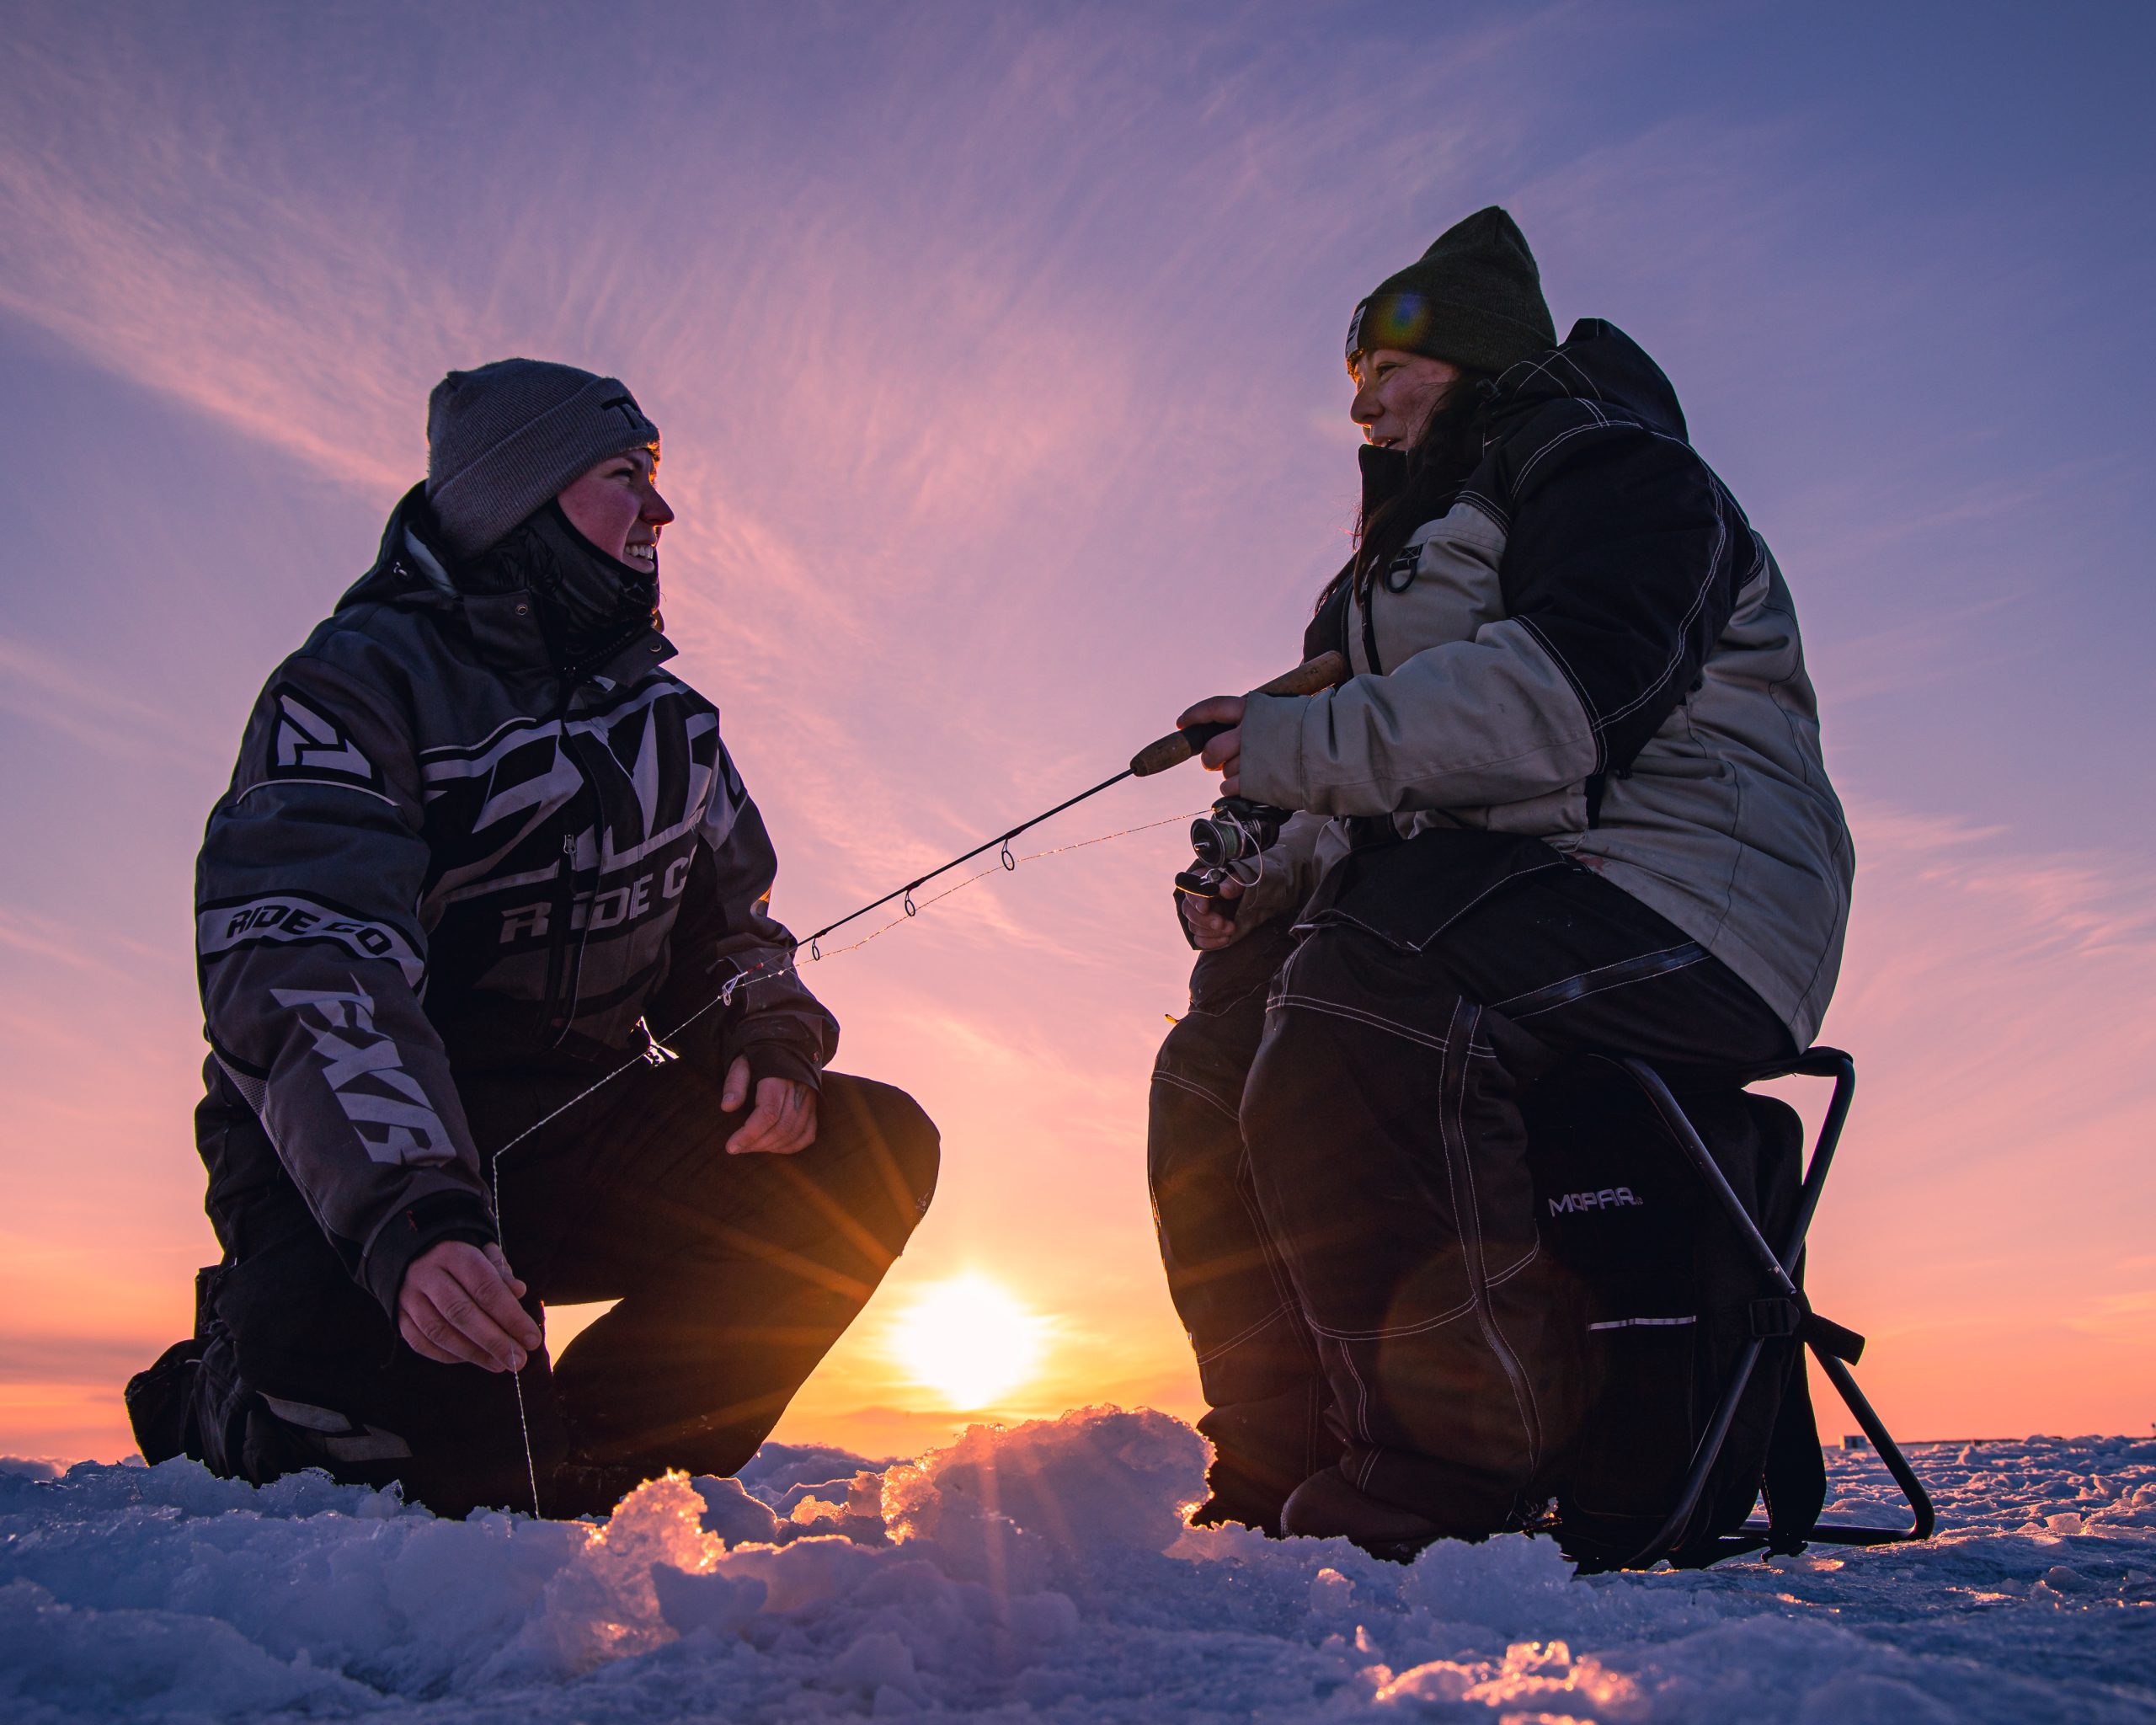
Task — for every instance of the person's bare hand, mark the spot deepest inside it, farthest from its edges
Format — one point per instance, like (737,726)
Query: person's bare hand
(783,1121)
(458,1305)
(1210,929)
(1224,753)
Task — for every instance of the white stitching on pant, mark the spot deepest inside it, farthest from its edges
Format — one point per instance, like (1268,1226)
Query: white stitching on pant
(1392,1330)
(1196,1089)
(1283,1285)
(1244,1335)
(1529,1417)
(1362,1396)
(1336,918)
(1312,1003)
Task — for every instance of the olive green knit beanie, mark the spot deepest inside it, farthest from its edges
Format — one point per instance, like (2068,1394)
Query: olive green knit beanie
(1474,298)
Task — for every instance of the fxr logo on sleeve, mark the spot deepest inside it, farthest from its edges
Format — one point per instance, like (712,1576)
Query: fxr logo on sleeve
(311,744)
(384,1103)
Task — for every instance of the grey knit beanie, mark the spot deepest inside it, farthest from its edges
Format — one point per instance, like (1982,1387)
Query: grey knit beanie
(505,438)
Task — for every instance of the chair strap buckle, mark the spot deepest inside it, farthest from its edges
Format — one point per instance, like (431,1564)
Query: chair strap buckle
(1778,1316)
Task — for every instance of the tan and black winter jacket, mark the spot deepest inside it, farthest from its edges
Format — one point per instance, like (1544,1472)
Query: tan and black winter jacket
(1593,648)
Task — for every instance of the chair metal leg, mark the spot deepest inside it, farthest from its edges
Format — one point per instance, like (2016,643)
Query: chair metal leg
(1778,1269)
(1670,1534)
(1775,1267)
(1922,1518)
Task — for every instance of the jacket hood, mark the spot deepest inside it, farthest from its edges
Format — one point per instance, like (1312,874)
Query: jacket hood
(408,565)
(1597,362)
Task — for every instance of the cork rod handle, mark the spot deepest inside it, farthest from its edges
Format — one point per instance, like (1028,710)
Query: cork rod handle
(1328,671)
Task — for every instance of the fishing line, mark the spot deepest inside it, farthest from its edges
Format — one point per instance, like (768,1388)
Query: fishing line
(906,891)
(1004,864)
(657,1053)
(1325,672)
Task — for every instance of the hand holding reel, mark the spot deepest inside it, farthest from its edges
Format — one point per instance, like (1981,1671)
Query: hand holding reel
(1229,842)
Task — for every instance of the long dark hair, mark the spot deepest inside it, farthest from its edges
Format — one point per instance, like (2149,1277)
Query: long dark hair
(1444,452)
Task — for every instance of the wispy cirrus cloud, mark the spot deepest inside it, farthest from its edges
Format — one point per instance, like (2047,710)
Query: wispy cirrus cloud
(271,314)
(38,684)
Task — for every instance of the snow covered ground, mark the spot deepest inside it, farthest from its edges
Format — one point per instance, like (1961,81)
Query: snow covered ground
(1044,1572)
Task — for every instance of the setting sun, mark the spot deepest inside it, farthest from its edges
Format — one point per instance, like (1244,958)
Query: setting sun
(968,1340)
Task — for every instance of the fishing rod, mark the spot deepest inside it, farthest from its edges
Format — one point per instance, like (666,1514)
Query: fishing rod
(1312,676)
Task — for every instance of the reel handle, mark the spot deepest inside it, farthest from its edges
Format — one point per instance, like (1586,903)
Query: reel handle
(1313,676)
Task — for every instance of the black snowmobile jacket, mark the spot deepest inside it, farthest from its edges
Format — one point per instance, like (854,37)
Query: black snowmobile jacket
(448,847)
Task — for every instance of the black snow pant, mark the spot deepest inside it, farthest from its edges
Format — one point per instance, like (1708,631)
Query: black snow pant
(734,1275)
(1340,1172)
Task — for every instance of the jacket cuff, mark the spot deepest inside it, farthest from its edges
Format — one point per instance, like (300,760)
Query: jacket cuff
(773,1050)
(1271,769)
(420,1225)
(779,1060)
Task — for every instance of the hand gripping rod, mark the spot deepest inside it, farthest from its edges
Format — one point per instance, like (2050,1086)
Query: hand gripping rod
(1313,676)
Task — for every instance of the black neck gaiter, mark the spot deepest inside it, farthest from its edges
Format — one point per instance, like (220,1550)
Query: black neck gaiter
(587,602)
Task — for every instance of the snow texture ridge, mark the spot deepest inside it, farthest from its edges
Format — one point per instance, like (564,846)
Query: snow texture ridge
(1046,1571)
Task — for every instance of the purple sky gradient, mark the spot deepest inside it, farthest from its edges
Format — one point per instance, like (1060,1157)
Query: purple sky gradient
(997,352)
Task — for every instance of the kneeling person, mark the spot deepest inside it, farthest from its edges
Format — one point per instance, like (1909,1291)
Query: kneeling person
(480,846)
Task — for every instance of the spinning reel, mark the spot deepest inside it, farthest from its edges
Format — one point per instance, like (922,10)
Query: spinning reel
(1228,842)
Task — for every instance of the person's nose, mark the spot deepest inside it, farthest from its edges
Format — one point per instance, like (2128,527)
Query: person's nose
(1364,410)
(656,510)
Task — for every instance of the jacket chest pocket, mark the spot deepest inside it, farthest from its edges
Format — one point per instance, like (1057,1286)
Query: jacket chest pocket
(1444,587)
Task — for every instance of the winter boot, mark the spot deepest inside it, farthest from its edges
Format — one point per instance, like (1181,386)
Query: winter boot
(1328,1506)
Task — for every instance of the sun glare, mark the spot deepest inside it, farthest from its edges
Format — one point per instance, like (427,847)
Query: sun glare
(967,1340)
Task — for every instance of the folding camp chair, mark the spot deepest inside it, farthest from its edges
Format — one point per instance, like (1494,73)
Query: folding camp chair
(1781,1310)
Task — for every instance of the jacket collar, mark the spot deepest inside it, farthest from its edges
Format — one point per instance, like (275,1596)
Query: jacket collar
(1385,471)
(411,572)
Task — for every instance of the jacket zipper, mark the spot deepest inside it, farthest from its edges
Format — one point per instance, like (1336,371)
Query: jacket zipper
(561,990)
(562,981)
(557,944)
(575,985)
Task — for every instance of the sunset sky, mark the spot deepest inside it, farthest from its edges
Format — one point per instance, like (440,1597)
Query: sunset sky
(997,351)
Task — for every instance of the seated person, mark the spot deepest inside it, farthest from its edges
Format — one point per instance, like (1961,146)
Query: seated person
(482,848)
(1571,799)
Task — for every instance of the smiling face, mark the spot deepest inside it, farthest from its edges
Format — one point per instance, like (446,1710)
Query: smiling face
(1396,393)
(617,507)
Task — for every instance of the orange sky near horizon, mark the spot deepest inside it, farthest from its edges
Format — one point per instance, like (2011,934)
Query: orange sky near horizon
(1959,1347)
(1004,416)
